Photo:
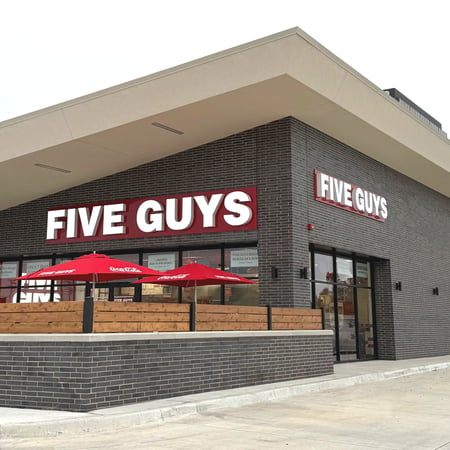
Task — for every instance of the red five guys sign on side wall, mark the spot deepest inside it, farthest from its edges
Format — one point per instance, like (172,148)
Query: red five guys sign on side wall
(338,193)
(203,212)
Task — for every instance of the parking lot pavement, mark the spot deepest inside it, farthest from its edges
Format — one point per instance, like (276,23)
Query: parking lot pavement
(410,412)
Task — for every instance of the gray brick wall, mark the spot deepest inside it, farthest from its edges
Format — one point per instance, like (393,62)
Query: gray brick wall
(413,246)
(82,376)
(384,314)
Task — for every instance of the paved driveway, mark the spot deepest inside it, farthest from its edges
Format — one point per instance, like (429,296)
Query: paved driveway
(412,412)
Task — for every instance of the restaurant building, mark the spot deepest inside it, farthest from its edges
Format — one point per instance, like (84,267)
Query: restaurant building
(274,160)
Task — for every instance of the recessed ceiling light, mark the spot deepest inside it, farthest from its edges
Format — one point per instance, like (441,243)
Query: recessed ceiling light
(56,169)
(165,127)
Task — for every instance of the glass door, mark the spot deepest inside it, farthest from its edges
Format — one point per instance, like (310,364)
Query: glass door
(365,311)
(347,324)
(345,308)
(342,289)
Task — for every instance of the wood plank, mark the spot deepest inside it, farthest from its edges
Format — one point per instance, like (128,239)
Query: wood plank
(41,328)
(107,316)
(293,319)
(296,326)
(41,307)
(66,316)
(226,317)
(231,309)
(299,326)
(296,312)
(136,327)
(141,307)
(230,326)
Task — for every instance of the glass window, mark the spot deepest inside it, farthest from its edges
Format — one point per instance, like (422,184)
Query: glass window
(346,320)
(205,294)
(128,257)
(161,261)
(242,261)
(8,271)
(325,300)
(68,290)
(362,274)
(61,260)
(132,258)
(34,265)
(8,295)
(323,267)
(242,294)
(35,291)
(124,293)
(344,268)
(158,293)
(210,257)
(101,293)
(365,324)
(65,293)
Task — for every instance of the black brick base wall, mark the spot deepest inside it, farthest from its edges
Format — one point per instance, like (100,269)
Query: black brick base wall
(82,376)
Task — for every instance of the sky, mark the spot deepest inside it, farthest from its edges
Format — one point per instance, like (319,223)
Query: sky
(52,51)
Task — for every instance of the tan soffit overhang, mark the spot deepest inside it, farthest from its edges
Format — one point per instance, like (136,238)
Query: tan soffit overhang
(287,74)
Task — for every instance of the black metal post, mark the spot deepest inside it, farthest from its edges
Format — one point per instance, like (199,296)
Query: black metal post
(193,316)
(88,315)
(269,317)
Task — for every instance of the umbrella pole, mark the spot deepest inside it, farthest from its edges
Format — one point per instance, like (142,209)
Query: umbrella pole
(93,286)
(195,291)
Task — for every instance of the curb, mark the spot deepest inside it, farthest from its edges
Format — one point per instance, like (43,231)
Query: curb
(160,411)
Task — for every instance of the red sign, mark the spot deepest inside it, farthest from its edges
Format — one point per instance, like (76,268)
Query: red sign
(203,212)
(341,194)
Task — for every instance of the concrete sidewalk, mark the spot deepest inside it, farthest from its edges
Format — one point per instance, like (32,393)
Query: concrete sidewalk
(15,422)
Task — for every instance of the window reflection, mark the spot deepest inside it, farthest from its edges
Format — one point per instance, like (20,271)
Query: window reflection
(158,293)
(160,261)
(325,300)
(35,291)
(362,274)
(240,260)
(344,268)
(205,294)
(8,271)
(68,293)
(8,286)
(323,267)
(346,320)
(242,294)
(210,257)
(365,322)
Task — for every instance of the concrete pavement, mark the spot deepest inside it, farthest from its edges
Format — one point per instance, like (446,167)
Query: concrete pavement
(25,423)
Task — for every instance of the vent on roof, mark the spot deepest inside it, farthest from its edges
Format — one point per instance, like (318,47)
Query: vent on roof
(416,110)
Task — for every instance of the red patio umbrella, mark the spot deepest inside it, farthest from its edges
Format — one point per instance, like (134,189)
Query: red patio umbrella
(196,274)
(93,268)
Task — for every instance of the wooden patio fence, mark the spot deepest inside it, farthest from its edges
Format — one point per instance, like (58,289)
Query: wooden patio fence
(116,317)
